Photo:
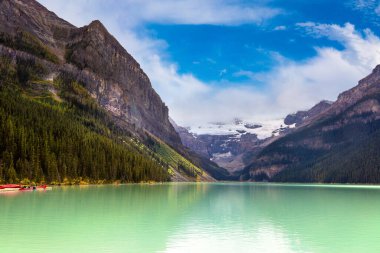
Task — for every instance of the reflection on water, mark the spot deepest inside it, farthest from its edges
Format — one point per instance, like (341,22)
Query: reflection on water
(216,217)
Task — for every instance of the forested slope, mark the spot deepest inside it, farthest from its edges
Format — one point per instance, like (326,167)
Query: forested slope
(355,163)
(52,130)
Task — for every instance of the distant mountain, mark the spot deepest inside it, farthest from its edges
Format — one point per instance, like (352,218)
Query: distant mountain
(237,127)
(86,69)
(200,146)
(228,143)
(339,143)
(305,116)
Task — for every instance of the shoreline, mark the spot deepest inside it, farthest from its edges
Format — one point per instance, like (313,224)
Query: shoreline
(289,184)
(237,183)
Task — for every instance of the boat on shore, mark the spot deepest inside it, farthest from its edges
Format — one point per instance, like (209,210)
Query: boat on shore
(17,187)
(10,187)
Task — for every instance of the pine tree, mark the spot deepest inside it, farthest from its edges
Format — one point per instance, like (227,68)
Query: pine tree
(1,172)
(11,175)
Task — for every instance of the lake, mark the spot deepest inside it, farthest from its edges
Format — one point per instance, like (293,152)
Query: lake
(192,217)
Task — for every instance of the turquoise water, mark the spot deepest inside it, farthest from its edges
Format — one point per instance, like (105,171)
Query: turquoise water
(214,217)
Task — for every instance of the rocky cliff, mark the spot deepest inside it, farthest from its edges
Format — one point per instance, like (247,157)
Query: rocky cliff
(92,56)
(300,117)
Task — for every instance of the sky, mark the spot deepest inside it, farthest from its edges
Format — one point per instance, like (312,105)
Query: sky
(258,60)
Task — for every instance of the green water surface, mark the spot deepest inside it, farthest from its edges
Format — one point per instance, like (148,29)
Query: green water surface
(190,217)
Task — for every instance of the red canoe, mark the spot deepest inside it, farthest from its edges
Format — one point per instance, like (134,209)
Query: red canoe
(16,187)
(10,186)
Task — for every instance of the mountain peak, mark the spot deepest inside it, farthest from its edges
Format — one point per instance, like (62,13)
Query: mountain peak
(325,102)
(97,35)
(302,116)
(368,85)
(376,69)
(97,25)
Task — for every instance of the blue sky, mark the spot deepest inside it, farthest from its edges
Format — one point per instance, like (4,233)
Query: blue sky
(215,60)
(214,53)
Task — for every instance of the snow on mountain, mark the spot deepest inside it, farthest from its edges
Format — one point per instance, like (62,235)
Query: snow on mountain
(237,127)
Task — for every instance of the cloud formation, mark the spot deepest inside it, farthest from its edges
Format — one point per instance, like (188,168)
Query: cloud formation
(370,9)
(195,12)
(289,86)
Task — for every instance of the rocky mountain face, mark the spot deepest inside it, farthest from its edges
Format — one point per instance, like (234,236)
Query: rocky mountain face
(335,135)
(226,150)
(94,57)
(198,149)
(303,116)
(191,141)
(126,90)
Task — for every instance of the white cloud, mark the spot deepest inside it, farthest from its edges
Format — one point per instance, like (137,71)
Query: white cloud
(300,85)
(363,5)
(223,72)
(245,73)
(361,48)
(288,87)
(291,86)
(280,28)
(198,12)
(370,9)
(136,12)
